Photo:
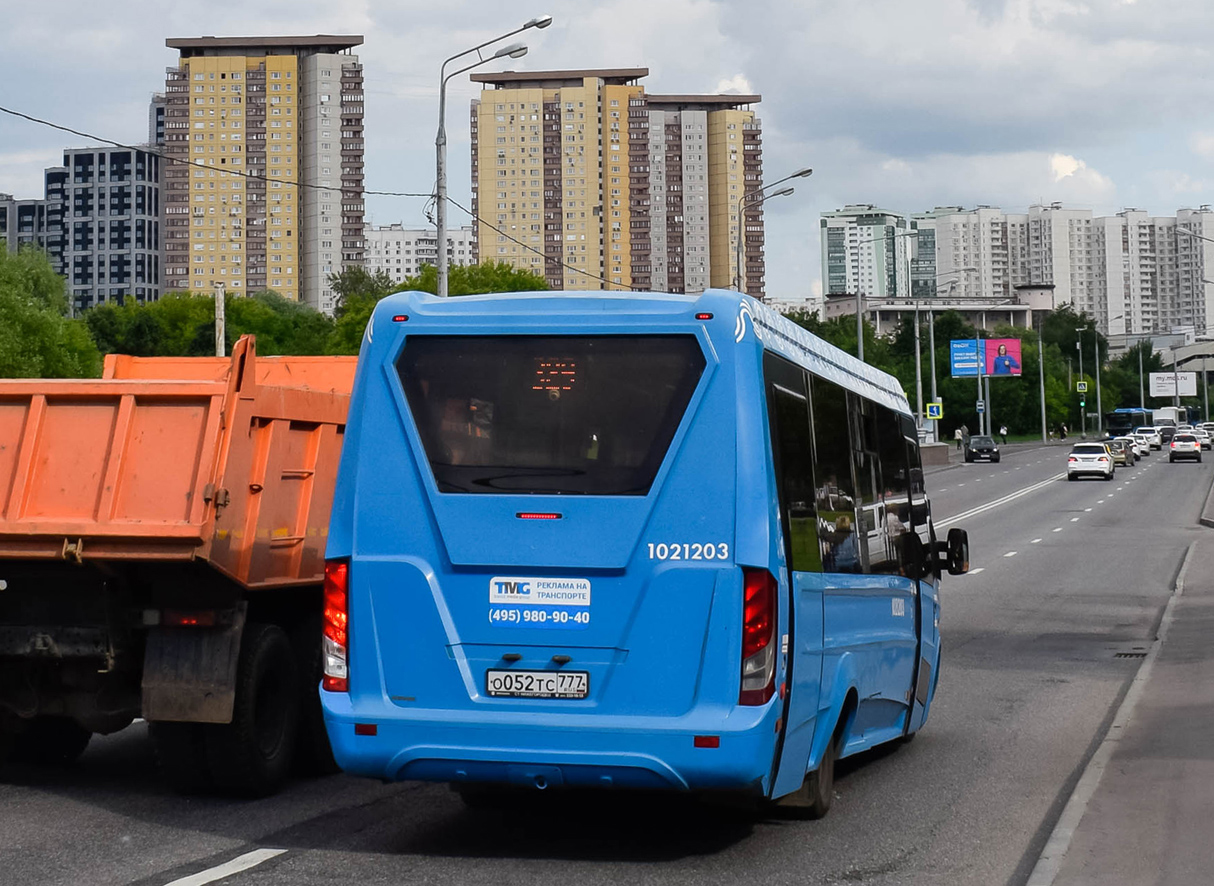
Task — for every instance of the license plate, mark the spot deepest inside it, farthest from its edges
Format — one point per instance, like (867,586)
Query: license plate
(537,684)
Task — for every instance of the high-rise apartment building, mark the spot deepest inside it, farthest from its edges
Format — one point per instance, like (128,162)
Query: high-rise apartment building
(400,252)
(583,177)
(99,224)
(866,249)
(264,164)
(1132,272)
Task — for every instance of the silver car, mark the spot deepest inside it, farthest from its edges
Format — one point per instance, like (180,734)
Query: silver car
(1152,432)
(1184,446)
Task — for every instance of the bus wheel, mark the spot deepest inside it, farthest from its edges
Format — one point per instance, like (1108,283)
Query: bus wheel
(51,741)
(813,799)
(251,756)
(181,755)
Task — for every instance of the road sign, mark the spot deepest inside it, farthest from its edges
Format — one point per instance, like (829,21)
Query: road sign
(1081,387)
(981,406)
(935,411)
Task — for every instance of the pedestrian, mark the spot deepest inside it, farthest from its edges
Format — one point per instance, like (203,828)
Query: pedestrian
(957,437)
(965,435)
(1003,432)
(1062,432)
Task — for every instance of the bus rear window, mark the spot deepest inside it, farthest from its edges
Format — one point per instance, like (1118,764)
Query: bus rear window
(548,415)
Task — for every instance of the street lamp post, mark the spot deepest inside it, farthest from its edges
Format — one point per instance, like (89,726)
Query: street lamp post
(514,50)
(748,201)
(1099,410)
(1083,418)
(860,295)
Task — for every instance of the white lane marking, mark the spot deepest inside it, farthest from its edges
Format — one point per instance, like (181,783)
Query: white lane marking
(1074,519)
(1010,554)
(976,571)
(1035,541)
(978,481)
(227,869)
(1057,528)
(1049,864)
(959,485)
(973,512)
(1087,510)
(1100,502)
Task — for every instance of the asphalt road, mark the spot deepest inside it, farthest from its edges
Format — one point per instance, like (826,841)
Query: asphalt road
(1067,584)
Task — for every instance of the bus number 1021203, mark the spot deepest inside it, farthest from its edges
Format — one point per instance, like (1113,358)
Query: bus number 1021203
(692,551)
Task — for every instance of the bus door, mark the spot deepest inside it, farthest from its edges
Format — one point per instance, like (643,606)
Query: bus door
(927,604)
(872,616)
(792,459)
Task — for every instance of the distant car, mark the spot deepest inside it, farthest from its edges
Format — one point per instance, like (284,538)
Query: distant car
(1090,459)
(1135,446)
(1156,441)
(1123,452)
(982,448)
(1184,446)
(1203,437)
(1142,443)
(1166,433)
(1208,427)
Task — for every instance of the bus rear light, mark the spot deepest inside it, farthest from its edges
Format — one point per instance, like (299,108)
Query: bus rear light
(707,741)
(704,316)
(336,626)
(534,515)
(758,637)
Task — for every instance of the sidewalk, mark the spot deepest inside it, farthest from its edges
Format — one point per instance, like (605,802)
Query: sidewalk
(955,456)
(1151,817)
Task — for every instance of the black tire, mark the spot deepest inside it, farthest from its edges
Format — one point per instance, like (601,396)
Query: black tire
(313,754)
(51,741)
(252,755)
(182,756)
(812,801)
(1172,459)
(1070,477)
(7,740)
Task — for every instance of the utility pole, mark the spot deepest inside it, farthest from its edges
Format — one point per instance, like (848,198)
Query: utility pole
(1099,410)
(859,325)
(931,346)
(1142,400)
(1041,380)
(220,333)
(918,375)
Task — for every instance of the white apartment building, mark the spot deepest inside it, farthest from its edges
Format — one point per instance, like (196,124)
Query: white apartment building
(402,251)
(1132,272)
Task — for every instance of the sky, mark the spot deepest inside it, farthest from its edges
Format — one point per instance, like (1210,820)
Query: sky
(1097,104)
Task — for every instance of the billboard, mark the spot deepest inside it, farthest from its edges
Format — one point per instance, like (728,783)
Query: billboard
(1164,384)
(1000,356)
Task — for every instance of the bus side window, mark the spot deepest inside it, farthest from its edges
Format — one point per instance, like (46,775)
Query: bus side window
(794,473)
(834,486)
(893,496)
(870,530)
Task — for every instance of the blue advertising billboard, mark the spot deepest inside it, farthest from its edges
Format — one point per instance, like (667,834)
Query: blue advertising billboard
(1000,356)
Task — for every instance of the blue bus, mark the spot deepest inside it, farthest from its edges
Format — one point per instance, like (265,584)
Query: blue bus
(625,540)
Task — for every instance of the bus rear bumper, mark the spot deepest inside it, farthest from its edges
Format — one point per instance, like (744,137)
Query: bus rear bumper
(542,756)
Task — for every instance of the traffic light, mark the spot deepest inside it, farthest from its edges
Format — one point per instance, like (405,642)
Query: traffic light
(1082,403)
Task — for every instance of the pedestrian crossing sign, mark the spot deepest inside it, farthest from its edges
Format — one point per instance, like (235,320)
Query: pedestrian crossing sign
(935,411)
(1081,387)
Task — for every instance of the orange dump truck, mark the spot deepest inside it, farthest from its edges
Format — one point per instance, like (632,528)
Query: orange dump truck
(162,539)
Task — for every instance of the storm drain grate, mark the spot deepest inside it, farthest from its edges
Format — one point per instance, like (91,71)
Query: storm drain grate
(1130,655)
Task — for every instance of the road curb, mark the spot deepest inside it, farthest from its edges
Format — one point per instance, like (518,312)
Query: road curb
(1049,863)
(1207,512)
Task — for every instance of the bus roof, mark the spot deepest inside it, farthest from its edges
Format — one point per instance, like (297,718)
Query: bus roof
(772,329)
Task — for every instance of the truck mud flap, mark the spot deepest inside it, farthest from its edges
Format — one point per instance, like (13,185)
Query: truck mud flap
(189,673)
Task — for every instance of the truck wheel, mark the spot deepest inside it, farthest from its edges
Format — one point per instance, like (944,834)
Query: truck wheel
(51,741)
(181,755)
(251,756)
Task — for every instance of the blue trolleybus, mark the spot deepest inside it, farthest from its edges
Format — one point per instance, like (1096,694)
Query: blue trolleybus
(625,540)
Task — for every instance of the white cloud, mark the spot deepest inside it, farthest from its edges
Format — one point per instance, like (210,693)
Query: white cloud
(736,85)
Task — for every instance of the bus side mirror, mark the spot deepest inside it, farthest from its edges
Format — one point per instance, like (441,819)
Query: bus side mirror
(958,554)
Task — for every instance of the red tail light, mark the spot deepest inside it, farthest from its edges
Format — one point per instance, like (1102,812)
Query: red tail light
(336,626)
(758,637)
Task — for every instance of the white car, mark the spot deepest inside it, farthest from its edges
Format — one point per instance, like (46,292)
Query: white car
(1184,446)
(1090,459)
(1153,433)
(1203,437)
(1142,442)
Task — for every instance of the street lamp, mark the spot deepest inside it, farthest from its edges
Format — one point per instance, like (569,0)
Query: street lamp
(860,295)
(748,201)
(931,340)
(514,50)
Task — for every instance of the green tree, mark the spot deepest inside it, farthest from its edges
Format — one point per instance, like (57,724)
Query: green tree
(462,280)
(37,338)
(354,283)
